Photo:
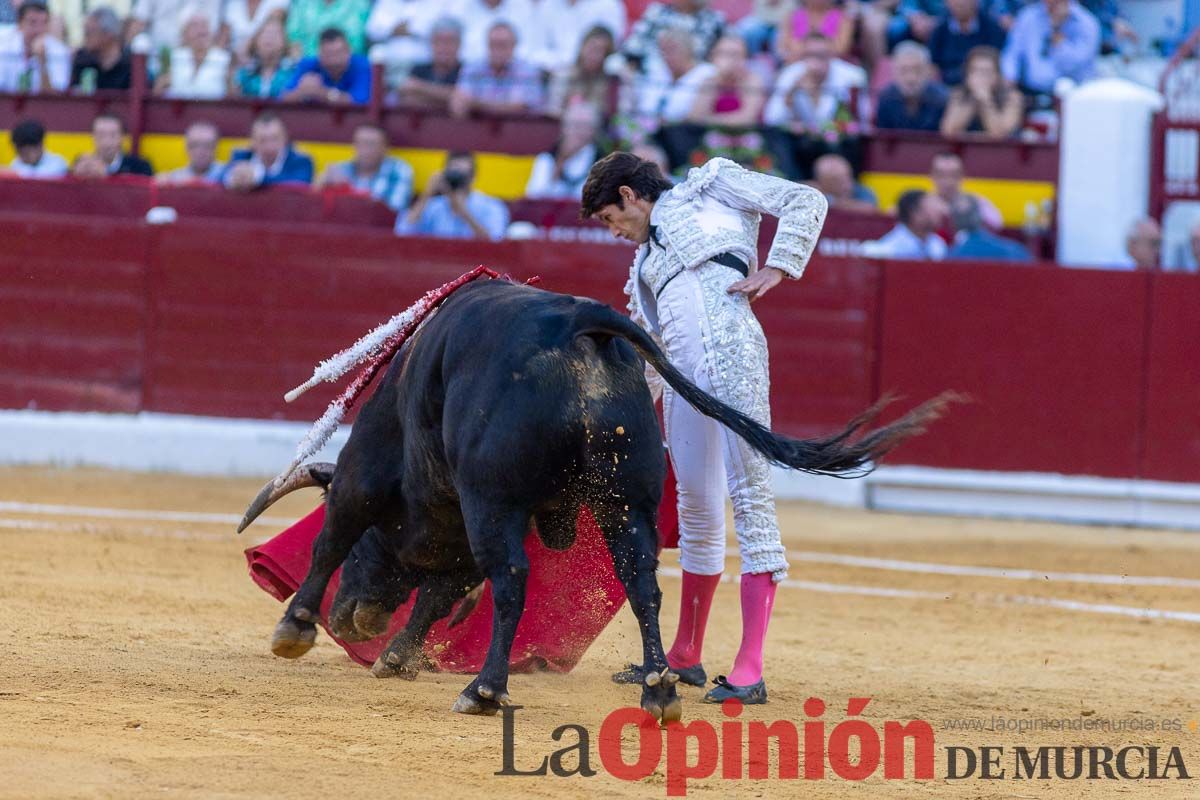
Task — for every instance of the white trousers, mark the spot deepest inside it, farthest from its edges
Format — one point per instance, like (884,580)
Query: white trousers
(710,461)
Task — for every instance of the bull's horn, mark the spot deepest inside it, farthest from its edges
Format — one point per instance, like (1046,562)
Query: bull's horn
(318,474)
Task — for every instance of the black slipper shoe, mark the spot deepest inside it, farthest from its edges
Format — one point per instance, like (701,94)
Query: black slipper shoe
(755,694)
(635,673)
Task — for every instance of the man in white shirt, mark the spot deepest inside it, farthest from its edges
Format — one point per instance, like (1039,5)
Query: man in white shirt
(163,20)
(31,60)
(913,237)
(839,78)
(32,160)
(565,23)
(672,101)
(479,16)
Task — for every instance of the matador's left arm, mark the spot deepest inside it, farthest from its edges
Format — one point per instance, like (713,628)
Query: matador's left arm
(801,211)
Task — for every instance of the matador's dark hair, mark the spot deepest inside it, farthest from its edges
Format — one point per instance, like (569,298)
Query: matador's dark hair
(619,169)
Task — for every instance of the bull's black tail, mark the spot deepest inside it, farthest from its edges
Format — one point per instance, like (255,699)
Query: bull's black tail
(834,455)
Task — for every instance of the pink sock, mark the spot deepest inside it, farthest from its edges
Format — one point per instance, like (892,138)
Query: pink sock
(694,604)
(758,595)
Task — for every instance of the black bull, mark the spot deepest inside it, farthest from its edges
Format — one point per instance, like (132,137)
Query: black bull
(512,405)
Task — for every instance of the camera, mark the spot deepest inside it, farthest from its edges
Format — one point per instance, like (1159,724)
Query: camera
(456,179)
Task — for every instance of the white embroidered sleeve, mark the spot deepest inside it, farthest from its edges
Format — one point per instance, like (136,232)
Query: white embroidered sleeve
(801,211)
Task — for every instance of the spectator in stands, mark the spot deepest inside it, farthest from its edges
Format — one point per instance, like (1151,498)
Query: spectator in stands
(478,17)
(103,62)
(1143,245)
(200,139)
(31,60)
(163,21)
(655,155)
(269,160)
(566,24)
(108,134)
(958,33)
(834,177)
(401,31)
(984,103)
(372,171)
(733,95)
(450,208)
(972,240)
(246,18)
(913,237)
(761,27)
(198,69)
(334,75)
(664,105)
(88,167)
(502,84)
(585,81)
(1050,40)
(307,20)
(432,84)
(886,23)
(32,161)
(833,22)
(811,115)
(947,172)
(561,174)
(703,26)
(914,100)
(269,71)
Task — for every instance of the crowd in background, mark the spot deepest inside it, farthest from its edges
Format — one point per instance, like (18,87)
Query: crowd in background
(790,88)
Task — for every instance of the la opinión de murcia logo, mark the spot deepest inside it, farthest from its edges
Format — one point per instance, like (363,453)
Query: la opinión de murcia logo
(734,750)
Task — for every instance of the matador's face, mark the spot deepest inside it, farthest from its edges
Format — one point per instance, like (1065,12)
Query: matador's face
(628,220)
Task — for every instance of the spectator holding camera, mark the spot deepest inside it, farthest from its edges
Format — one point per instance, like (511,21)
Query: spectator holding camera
(450,208)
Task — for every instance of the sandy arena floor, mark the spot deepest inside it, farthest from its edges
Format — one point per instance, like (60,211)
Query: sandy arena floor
(134,656)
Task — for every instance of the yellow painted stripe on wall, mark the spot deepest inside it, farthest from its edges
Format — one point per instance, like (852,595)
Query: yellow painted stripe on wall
(505,176)
(499,174)
(1009,197)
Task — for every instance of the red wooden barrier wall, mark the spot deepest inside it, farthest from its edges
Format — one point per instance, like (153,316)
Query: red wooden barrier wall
(1074,371)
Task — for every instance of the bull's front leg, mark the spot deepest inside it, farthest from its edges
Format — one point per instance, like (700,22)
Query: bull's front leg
(497,537)
(632,539)
(404,655)
(344,525)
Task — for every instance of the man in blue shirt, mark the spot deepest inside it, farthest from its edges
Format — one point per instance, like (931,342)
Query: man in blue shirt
(270,159)
(965,27)
(974,241)
(334,75)
(1050,40)
(451,209)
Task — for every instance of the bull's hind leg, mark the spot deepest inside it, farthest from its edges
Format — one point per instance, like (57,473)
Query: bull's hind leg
(497,537)
(403,657)
(374,584)
(344,525)
(632,539)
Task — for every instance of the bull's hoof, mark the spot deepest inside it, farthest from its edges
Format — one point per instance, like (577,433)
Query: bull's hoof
(480,700)
(293,638)
(671,712)
(391,665)
(356,621)
(659,698)
(371,619)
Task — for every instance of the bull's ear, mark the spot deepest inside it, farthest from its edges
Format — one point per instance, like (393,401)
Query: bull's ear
(322,474)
